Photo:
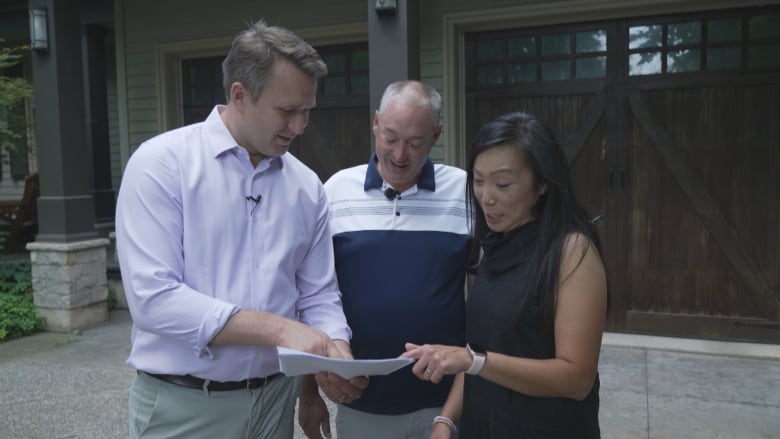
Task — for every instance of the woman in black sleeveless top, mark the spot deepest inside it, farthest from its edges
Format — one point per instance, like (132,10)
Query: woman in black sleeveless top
(535,313)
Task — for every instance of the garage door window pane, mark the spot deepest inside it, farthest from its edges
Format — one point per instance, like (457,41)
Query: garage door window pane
(490,75)
(765,26)
(359,83)
(764,56)
(201,86)
(522,72)
(200,73)
(559,44)
(592,67)
(200,96)
(219,94)
(683,61)
(720,31)
(556,70)
(522,47)
(359,60)
(336,62)
(684,33)
(724,58)
(644,36)
(595,41)
(644,63)
(490,50)
(335,86)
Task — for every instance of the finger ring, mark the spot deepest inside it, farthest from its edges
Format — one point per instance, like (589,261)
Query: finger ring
(428,371)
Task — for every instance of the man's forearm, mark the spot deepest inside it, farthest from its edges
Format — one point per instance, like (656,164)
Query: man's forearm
(248,327)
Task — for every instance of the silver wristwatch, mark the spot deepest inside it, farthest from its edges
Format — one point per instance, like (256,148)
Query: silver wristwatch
(478,357)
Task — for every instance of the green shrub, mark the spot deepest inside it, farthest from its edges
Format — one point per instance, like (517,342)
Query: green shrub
(18,316)
(16,277)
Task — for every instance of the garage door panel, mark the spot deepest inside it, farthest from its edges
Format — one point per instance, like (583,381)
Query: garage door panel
(562,113)
(335,138)
(682,241)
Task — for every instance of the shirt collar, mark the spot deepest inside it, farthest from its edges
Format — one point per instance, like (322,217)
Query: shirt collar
(374,180)
(221,140)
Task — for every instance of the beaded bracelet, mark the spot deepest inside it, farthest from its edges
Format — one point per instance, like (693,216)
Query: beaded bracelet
(446,421)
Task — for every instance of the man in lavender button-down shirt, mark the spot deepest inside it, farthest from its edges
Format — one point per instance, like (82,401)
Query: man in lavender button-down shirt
(225,253)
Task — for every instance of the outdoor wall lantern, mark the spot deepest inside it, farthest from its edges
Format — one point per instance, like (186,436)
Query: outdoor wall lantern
(385,7)
(39,35)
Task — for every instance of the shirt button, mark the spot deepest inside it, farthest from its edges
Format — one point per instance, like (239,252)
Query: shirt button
(397,213)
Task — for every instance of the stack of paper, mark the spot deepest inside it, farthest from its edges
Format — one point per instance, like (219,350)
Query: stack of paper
(292,363)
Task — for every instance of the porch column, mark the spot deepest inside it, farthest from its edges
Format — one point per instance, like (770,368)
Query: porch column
(68,257)
(393,46)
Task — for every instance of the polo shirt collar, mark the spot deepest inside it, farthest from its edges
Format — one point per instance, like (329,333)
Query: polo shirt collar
(374,180)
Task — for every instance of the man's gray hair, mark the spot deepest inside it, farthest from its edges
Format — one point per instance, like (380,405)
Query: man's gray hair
(426,95)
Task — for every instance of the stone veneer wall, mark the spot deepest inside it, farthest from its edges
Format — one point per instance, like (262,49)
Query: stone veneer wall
(70,288)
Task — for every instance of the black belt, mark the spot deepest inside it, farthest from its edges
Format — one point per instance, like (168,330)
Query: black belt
(192,382)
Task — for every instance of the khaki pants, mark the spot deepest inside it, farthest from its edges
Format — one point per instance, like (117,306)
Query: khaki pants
(354,424)
(161,410)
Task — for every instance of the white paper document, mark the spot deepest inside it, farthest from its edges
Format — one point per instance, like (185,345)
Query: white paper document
(292,363)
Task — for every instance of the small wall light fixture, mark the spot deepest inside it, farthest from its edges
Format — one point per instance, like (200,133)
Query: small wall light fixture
(385,7)
(39,34)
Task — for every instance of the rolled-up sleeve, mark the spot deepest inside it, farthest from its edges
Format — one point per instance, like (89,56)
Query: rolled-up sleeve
(149,230)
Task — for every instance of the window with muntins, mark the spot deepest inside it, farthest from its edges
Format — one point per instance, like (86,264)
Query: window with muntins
(503,60)
(740,42)
(347,70)
(201,87)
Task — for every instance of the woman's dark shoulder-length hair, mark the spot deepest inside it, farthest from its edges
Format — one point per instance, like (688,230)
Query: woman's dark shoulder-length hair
(558,213)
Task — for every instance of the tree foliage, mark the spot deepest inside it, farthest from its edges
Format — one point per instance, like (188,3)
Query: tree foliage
(13,92)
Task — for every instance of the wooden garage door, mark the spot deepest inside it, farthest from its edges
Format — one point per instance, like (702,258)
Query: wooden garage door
(671,128)
(339,130)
